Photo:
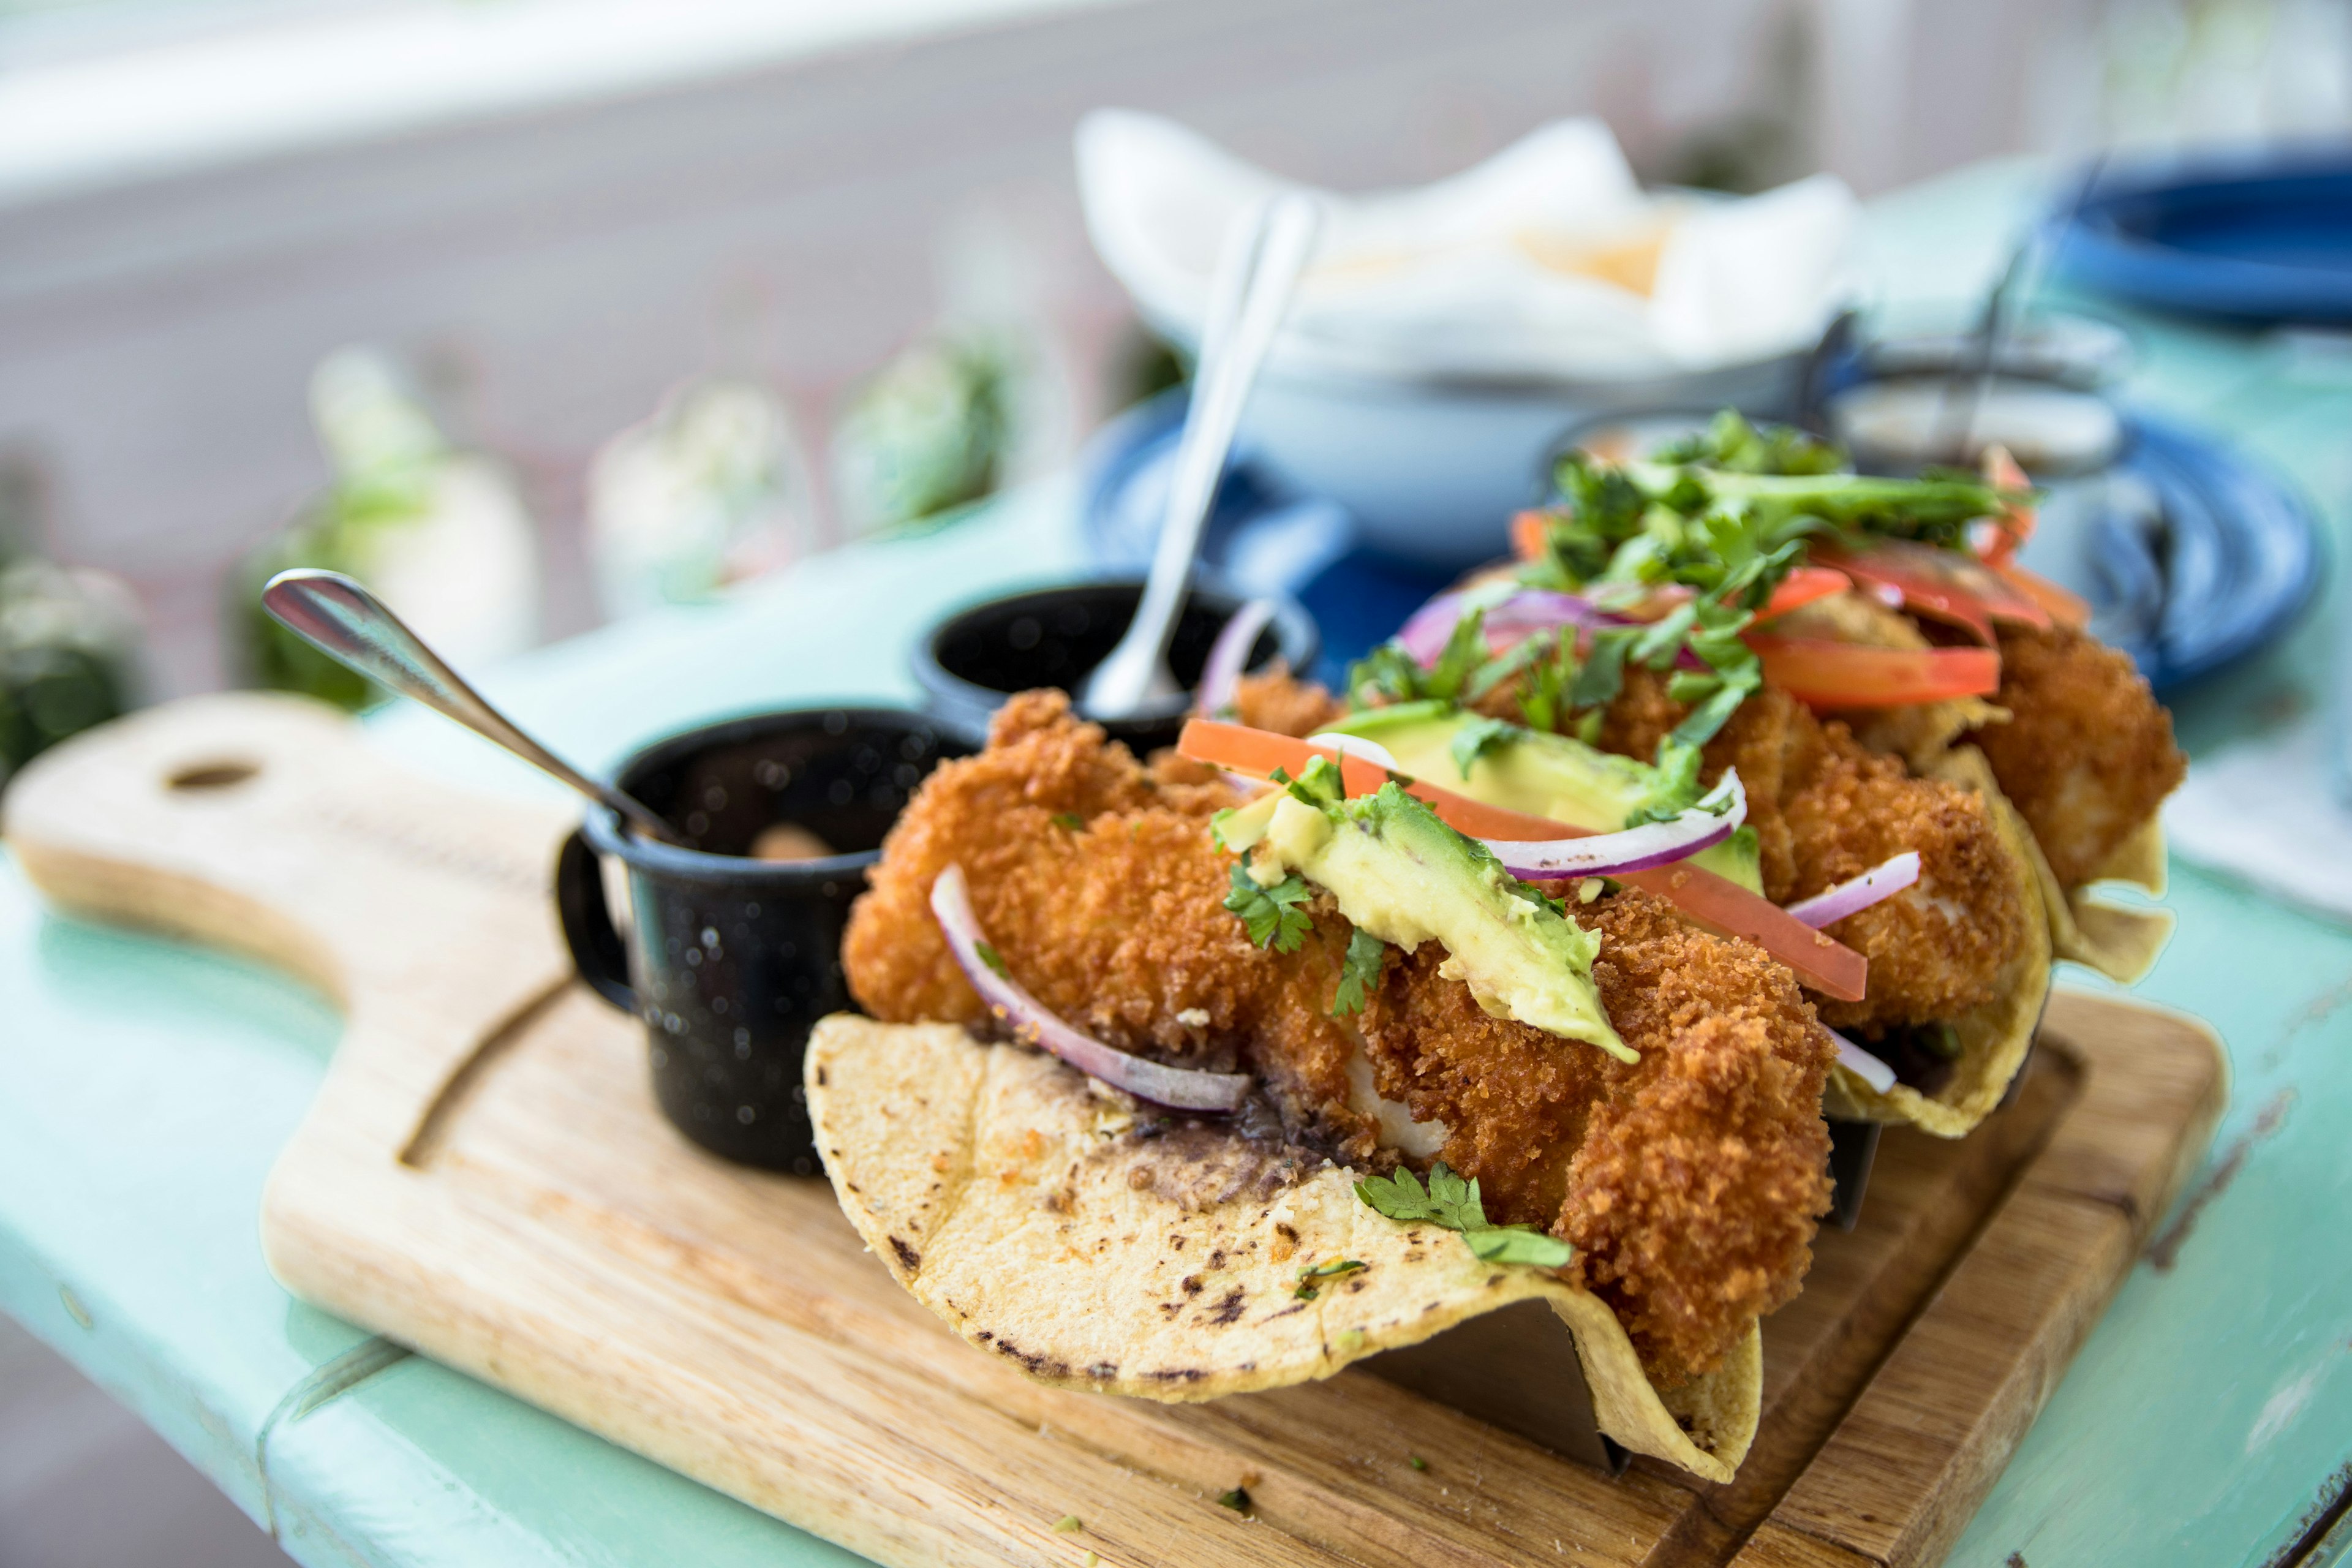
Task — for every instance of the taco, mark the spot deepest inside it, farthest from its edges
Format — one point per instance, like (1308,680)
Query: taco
(1302,1028)
(1676,619)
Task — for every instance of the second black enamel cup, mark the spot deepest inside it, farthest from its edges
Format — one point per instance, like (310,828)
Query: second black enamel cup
(1056,636)
(731,959)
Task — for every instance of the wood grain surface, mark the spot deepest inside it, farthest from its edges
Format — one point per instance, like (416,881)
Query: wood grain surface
(484,1176)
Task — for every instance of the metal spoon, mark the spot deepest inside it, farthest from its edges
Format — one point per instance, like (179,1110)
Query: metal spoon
(1257,269)
(347,623)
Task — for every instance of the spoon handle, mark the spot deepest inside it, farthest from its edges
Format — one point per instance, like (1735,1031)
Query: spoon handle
(1255,279)
(344,621)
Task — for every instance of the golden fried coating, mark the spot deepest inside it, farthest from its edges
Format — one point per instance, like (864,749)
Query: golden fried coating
(1825,809)
(1280,701)
(1938,948)
(1689,1182)
(2088,755)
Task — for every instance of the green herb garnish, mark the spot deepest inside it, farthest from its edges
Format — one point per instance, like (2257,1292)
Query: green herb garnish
(1453,1203)
(1272,915)
(1416,1461)
(1070,820)
(1360,972)
(1477,736)
(1307,1289)
(990,957)
(1238,1500)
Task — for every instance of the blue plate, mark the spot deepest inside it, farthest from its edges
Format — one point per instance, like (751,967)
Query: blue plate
(2191,556)
(2259,239)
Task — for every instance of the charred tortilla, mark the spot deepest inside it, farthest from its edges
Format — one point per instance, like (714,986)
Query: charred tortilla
(1034,1211)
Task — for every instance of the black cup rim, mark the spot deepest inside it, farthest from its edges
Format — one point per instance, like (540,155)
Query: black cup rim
(948,696)
(601,824)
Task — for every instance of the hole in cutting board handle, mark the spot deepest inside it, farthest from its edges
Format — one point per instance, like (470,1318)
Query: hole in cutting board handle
(202,776)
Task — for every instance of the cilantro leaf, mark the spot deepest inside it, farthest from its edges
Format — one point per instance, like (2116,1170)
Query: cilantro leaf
(1518,1244)
(1272,915)
(1453,1203)
(1360,974)
(1307,1289)
(990,957)
(1070,821)
(1479,734)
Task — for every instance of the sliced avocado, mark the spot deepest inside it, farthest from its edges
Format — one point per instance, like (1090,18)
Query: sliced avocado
(1401,874)
(1537,772)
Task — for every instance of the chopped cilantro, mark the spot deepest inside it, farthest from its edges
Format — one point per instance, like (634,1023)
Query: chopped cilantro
(1477,735)
(1272,915)
(990,957)
(1307,1289)
(1070,820)
(1416,1461)
(1360,972)
(1238,1500)
(1453,1203)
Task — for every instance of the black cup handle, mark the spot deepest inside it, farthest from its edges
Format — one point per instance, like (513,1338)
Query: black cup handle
(596,948)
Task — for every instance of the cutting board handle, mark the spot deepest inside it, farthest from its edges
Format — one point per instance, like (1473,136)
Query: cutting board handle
(269,826)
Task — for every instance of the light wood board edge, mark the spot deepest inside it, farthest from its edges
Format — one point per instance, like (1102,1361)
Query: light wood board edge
(1909,1465)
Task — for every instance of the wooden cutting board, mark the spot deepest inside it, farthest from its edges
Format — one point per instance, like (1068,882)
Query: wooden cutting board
(484,1177)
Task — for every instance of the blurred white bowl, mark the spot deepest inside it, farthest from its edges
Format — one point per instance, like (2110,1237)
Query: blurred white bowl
(1432,469)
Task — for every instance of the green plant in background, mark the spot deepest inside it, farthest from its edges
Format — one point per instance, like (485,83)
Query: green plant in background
(930,431)
(389,460)
(69,638)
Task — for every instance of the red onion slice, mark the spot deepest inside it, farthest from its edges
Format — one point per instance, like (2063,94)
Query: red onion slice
(1221,677)
(1339,744)
(1512,620)
(1876,885)
(1032,1025)
(1869,1068)
(1714,819)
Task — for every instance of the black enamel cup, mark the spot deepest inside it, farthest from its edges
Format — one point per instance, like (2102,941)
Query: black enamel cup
(1056,636)
(729,959)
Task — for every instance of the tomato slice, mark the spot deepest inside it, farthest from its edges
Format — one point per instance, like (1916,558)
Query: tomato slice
(1944,584)
(2014,526)
(2063,606)
(1530,535)
(1716,902)
(1802,586)
(1823,674)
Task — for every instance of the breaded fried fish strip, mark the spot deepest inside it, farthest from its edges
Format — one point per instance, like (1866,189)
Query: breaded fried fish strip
(1689,1182)
(2088,755)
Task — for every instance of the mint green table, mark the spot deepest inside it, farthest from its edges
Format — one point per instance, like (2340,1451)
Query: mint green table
(145,1089)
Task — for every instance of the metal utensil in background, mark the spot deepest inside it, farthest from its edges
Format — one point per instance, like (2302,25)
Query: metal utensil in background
(1257,270)
(344,621)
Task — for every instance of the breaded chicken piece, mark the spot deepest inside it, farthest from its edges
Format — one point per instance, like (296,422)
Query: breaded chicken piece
(1689,1182)
(1695,1208)
(1825,809)
(2088,755)
(1280,701)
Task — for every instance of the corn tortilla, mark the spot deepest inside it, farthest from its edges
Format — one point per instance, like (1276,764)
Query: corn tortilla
(1002,1190)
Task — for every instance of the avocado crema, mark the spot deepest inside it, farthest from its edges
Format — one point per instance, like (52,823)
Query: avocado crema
(1541,774)
(1406,878)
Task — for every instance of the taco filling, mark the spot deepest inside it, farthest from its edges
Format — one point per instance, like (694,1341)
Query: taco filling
(1636,1099)
(1934,754)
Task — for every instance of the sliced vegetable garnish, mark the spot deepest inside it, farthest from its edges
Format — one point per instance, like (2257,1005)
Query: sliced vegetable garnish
(1943,584)
(1716,902)
(1509,621)
(2013,525)
(1221,675)
(1528,532)
(2064,607)
(1881,882)
(1869,1068)
(1702,826)
(1802,586)
(1823,674)
(1034,1024)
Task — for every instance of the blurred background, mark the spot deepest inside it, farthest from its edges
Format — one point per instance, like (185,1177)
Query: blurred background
(545,313)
